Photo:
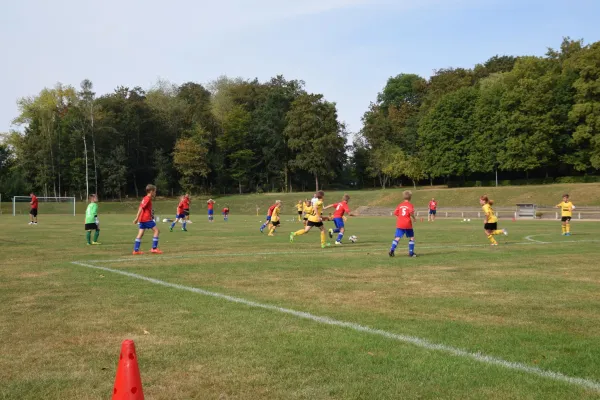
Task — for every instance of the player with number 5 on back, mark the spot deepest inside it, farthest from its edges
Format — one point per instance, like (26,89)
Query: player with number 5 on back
(405,215)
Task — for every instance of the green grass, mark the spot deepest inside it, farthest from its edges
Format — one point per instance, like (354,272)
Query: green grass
(526,302)
(582,194)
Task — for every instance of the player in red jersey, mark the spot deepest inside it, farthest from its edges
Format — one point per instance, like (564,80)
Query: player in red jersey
(180,215)
(186,206)
(341,208)
(145,220)
(405,215)
(211,210)
(269,214)
(34,209)
(432,210)
(225,213)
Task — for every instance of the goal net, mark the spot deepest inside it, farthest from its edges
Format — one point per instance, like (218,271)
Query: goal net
(46,205)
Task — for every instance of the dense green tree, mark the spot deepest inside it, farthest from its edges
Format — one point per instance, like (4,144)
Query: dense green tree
(314,131)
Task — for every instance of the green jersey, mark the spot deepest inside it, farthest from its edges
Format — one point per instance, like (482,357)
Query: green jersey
(91,213)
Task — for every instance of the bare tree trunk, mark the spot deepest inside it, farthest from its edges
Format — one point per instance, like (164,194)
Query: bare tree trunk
(87,180)
(94,148)
(240,186)
(316,182)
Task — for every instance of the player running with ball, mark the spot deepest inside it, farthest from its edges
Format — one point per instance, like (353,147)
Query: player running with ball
(405,216)
(338,218)
(180,215)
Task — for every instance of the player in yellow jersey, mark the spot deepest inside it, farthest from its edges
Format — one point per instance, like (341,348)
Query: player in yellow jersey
(314,219)
(300,208)
(566,208)
(490,225)
(308,209)
(275,219)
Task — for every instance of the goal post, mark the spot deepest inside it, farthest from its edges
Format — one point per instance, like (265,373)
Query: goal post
(46,205)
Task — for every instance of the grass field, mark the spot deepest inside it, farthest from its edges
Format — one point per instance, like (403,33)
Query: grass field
(396,328)
(582,194)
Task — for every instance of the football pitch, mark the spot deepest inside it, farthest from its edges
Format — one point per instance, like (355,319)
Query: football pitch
(229,313)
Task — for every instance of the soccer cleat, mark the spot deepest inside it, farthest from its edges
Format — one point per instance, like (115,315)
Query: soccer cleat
(261,229)
(292,237)
(156,251)
(96,243)
(31,223)
(89,244)
(270,234)
(183,230)
(391,253)
(137,253)
(494,244)
(413,255)
(325,245)
(505,232)
(568,234)
(331,233)
(170,229)
(338,243)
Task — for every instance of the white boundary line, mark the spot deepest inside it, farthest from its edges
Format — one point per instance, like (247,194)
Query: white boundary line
(312,252)
(536,241)
(416,341)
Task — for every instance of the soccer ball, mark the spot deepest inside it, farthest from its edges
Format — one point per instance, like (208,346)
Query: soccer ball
(469,220)
(165,220)
(353,239)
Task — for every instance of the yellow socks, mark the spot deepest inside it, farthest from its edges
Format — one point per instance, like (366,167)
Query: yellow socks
(497,232)
(564,229)
(491,238)
(568,228)
(300,232)
(323,240)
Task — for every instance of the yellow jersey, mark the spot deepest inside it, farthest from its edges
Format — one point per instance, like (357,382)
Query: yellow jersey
(275,214)
(307,210)
(566,208)
(300,207)
(316,217)
(490,214)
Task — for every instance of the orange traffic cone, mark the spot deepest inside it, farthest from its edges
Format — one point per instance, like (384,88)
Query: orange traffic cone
(128,384)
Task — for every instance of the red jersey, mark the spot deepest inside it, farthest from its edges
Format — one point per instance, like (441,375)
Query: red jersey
(226,210)
(186,203)
(34,202)
(403,212)
(181,207)
(211,206)
(146,206)
(433,205)
(340,209)
(270,212)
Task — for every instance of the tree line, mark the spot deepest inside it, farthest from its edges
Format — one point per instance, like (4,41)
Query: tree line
(518,116)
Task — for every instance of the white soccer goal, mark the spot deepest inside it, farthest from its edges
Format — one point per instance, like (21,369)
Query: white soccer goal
(46,205)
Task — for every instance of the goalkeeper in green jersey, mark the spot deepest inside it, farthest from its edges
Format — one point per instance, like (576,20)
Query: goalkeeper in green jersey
(91,220)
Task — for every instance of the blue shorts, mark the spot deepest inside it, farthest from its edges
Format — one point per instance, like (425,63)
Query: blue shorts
(211,212)
(147,225)
(268,217)
(401,232)
(182,216)
(339,223)
(432,212)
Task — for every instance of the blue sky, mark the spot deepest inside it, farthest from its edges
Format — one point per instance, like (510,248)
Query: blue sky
(345,49)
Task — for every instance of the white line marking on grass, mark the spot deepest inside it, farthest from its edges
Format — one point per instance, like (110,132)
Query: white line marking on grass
(423,343)
(536,241)
(325,252)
